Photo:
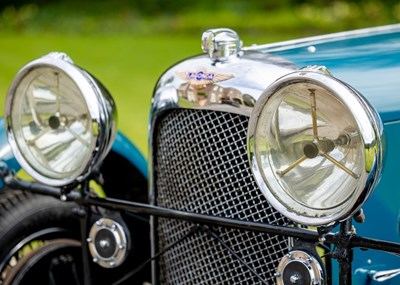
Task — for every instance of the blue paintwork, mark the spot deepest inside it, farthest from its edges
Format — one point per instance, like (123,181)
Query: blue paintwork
(6,153)
(371,64)
(122,145)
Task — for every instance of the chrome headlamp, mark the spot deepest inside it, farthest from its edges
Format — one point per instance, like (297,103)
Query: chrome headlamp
(315,147)
(60,120)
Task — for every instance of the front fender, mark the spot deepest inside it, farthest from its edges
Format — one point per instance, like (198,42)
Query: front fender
(125,148)
(6,154)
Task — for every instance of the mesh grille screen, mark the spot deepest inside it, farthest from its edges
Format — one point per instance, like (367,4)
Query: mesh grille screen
(201,166)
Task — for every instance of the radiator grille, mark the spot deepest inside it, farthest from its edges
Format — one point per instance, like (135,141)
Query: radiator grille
(201,166)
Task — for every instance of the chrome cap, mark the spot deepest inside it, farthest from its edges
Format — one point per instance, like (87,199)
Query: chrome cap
(108,243)
(221,44)
(299,267)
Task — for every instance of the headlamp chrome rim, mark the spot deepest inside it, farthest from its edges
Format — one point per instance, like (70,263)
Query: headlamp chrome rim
(371,133)
(100,107)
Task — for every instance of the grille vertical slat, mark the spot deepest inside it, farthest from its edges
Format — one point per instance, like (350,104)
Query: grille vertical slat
(201,166)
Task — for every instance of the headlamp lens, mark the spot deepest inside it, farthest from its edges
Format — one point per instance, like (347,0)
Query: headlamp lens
(315,147)
(60,120)
(51,123)
(303,156)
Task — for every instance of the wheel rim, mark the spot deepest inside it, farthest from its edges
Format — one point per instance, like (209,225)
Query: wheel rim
(55,262)
(28,245)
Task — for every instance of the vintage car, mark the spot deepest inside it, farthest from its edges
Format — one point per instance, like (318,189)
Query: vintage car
(270,164)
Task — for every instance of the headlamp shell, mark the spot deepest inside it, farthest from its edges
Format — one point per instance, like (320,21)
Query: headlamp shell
(315,147)
(60,120)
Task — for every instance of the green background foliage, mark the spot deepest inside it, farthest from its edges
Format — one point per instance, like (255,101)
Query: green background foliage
(127,44)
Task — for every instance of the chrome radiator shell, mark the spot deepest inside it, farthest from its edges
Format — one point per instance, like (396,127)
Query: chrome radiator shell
(191,144)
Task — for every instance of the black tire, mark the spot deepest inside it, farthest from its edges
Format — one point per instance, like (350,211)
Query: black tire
(28,221)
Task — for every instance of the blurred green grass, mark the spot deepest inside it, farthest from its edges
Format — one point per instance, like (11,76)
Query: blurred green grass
(128,51)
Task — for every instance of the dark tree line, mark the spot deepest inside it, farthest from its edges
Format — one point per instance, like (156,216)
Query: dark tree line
(154,7)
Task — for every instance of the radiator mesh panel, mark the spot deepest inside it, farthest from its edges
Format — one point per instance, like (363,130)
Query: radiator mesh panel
(201,166)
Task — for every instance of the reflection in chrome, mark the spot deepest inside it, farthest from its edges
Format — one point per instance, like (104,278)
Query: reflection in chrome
(253,72)
(214,94)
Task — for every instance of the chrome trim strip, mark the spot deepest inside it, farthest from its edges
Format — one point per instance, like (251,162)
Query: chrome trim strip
(285,45)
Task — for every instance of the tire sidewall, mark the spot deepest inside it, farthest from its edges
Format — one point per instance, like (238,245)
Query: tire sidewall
(23,214)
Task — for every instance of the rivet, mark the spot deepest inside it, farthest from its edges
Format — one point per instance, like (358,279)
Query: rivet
(311,49)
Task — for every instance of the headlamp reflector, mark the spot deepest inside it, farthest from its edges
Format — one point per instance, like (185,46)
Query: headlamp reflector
(311,141)
(59,120)
(51,123)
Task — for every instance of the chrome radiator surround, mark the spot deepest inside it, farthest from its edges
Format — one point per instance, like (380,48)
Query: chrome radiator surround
(200,166)
(210,119)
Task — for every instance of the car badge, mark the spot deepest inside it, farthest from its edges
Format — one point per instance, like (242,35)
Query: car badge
(201,78)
